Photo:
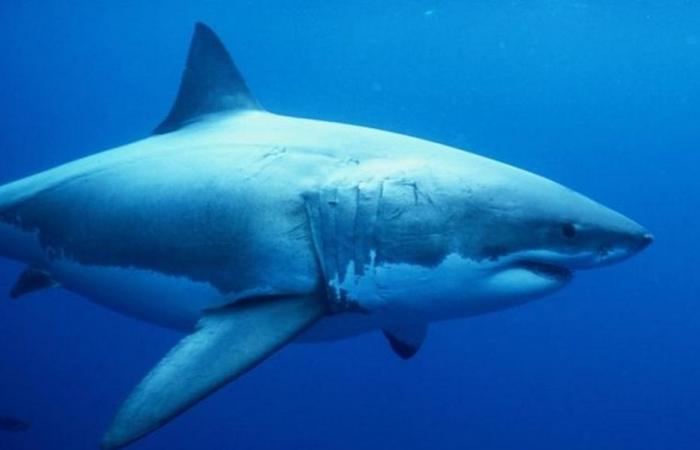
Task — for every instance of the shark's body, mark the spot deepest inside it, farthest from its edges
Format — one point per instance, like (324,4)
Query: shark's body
(169,226)
(263,228)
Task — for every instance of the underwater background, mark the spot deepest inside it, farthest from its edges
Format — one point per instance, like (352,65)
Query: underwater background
(601,96)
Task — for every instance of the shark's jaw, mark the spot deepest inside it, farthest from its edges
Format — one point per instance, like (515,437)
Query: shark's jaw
(538,276)
(533,274)
(519,280)
(463,285)
(558,274)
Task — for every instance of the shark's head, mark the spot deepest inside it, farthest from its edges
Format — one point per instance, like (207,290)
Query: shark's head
(475,235)
(534,233)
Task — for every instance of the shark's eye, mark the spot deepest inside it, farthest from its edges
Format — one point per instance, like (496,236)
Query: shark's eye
(568,230)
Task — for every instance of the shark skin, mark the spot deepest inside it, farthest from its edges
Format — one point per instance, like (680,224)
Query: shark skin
(232,218)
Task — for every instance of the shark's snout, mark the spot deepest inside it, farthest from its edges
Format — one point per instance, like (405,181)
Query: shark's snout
(646,240)
(637,242)
(558,268)
(596,237)
(604,245)
(625,243)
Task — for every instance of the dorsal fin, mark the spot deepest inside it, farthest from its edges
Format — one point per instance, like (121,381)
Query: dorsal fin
(211,83)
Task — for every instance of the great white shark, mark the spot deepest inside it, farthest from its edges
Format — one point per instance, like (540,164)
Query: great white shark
(248,230)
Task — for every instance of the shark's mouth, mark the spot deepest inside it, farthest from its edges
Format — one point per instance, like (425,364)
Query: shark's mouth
(558,273)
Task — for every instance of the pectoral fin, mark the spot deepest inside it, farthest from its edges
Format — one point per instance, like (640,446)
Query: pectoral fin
(407,339)
(227,343)
(31,280)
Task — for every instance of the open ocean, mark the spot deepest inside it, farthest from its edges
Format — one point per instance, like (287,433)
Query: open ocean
(601,96)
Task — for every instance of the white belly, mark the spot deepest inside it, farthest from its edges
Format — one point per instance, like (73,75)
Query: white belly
(170,301)
(457,287)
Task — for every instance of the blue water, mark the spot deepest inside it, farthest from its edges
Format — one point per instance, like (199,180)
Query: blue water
(605,99)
